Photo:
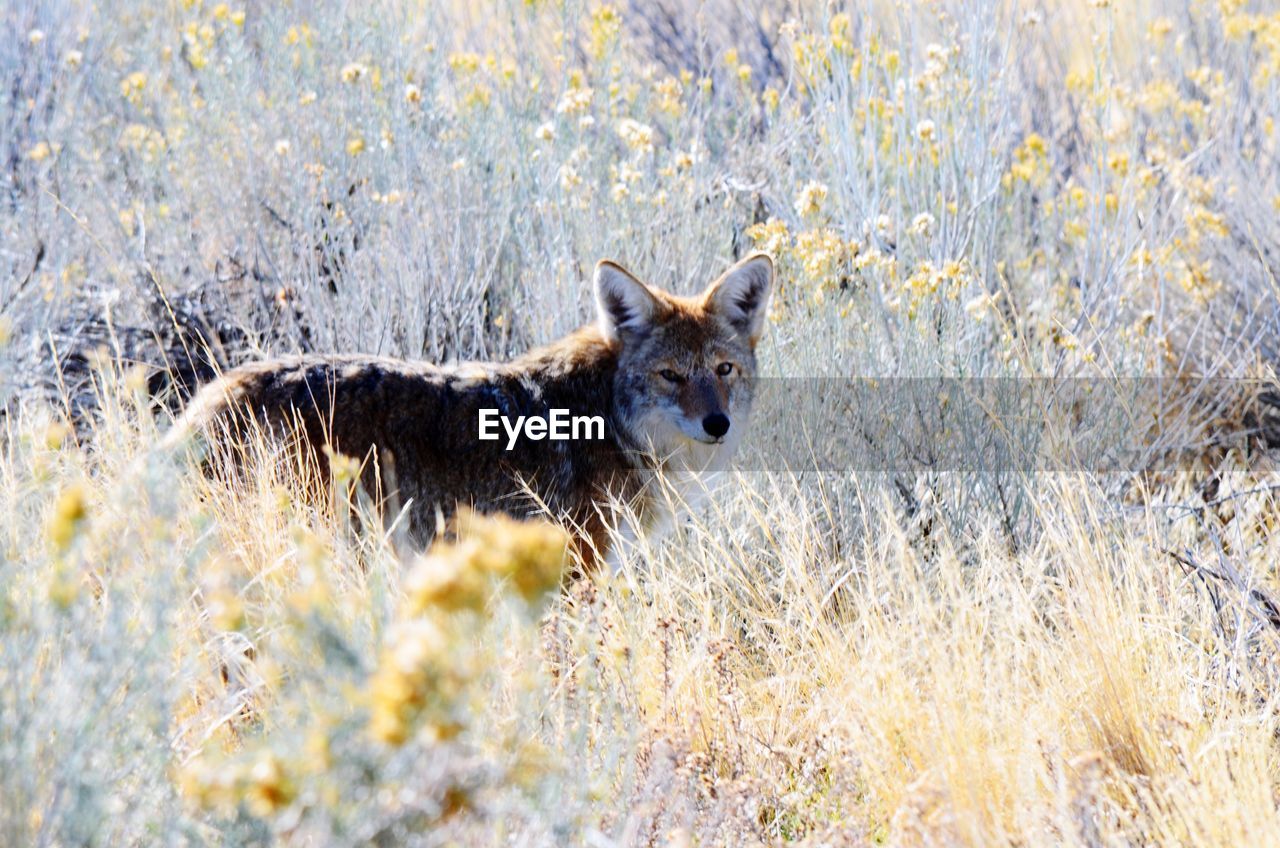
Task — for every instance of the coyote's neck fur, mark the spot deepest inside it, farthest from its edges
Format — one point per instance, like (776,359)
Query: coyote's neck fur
(670,378)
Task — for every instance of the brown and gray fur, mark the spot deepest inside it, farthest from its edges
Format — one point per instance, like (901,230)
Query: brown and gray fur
(421,420)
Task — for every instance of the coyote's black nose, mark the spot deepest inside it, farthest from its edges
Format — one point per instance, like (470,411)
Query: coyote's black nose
(716,425)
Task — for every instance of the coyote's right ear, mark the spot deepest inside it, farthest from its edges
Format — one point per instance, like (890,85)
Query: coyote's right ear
(742,294)
(625,305)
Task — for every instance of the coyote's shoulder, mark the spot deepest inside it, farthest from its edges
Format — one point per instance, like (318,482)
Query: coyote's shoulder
(670,378)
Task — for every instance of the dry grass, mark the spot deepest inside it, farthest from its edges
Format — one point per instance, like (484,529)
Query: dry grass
(916,655)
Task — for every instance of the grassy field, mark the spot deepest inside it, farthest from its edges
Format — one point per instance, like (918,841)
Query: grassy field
(900,651)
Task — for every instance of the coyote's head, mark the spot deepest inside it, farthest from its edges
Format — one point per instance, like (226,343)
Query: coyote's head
(686,365)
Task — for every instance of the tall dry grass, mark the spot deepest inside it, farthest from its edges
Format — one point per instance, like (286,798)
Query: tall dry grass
(904,653)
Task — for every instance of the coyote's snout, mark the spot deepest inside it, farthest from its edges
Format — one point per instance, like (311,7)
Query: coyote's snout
(670,377)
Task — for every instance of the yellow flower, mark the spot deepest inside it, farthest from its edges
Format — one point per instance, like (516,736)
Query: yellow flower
(465,62)
(823,255)
(226,611)
(979,307)
(1201,219)
(458,576)
(809,200)
(1063,338)
(1237,27)
(355,146)
(882,226)
(1030,163)
(576,99)
(143,139)
(478,96)
(69,513)
(209,784)
(638,136)
(412,94)
(605,26)
(922,225)
(269,787)
(298,34)
(133,85)
(353,71)
(1196,281)
(669,91)
(446,579)
(531,555)
(411,674)
(841,32)
(771,236)
(196,56)
(569,178)
(40,152)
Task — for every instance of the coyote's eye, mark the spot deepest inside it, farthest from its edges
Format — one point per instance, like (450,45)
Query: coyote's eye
(724,369)
(670,376)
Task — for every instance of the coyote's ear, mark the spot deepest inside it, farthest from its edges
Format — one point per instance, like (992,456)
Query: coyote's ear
(741,296)
(625,305)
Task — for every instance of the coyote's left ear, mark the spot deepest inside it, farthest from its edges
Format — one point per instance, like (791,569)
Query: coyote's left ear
(742,294)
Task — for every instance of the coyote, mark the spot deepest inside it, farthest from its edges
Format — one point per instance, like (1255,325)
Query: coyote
(670,378)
